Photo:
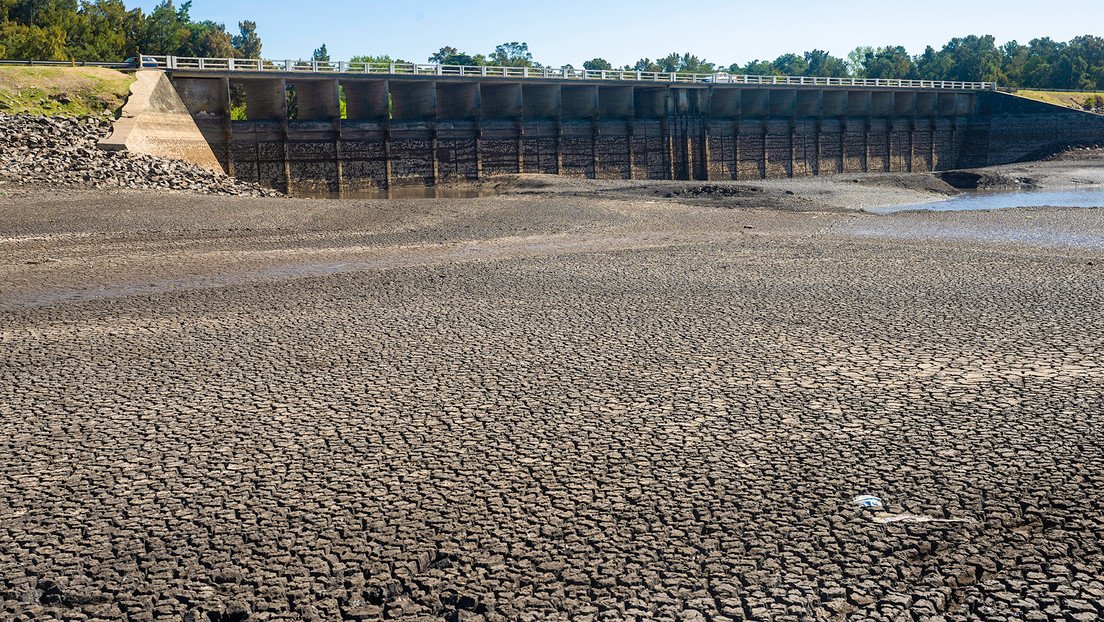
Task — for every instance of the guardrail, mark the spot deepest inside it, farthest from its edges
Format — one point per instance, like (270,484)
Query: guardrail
(63,63)
(562,73)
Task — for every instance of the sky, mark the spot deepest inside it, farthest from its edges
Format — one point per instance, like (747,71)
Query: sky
(573,31)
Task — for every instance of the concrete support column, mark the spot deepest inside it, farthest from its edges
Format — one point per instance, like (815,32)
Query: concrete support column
(630,130)
(478,150)
(387,173)
(559,146)
(338,165)
(866,146)
(317,100)
(911,144)
(265,100)
(841,165)
(705,158)
(888,165)
(520,130)
(764,162)
(433,146)
(595,132)
(793,147)
(288,185)
(736,149)
(931,145)
(817,131)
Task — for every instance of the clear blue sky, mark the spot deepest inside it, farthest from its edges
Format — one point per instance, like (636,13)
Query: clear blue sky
(572,31)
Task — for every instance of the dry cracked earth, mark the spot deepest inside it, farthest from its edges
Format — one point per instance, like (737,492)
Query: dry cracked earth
(546,408)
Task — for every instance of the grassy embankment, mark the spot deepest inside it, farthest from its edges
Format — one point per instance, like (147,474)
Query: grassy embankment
(1075,99)
(62,91)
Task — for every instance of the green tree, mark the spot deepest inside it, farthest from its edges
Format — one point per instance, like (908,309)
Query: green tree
(512,54)
(597,64)
(823,65)
(791,65)
(247,42)
(321,55)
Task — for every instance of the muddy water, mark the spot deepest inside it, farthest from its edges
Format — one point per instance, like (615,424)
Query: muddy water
(1004,200)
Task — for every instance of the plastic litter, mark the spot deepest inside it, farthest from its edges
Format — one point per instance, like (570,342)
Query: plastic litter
(881,517)
(869,501)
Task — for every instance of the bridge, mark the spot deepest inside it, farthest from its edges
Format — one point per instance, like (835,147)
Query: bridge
(334,127)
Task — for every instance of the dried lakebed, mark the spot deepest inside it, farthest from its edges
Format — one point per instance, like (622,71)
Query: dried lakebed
(545,408)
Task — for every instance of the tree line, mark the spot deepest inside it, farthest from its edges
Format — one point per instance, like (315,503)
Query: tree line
(106,30)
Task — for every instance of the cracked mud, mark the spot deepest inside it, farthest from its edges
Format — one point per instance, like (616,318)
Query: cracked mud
(546,408)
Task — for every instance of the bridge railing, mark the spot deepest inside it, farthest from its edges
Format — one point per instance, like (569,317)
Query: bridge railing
(562,73)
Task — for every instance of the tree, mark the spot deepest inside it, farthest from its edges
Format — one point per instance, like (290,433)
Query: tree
(321,55)
(248,42)
(512,54)
(646,64)
(166,29)
(443,54)
(791,65)
(887,62)
(823,65)
(597,64)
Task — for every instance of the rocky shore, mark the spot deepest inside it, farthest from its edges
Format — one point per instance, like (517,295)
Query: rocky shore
(62,152)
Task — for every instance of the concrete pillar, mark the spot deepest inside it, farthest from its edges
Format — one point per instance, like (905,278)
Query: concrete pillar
(265,100)
(338,165)
(317,99)
(499,101)
(810,103)
(866,145)
(519,129)
(783,103)
(817,131)
(366,101)
(457,101)
(764,162)
(705,158)
(209,96)
(559,146)
(841,165)
(931,132)
(835,103)
(387,169)
(911,144)
(540,101)
(433,145)
(793,147)
(616,102)
(725,103)
(756,103)
(412,101)
(859,103)
(882,103)
(630,130)
(579,102)
(595,131)
(478,150)
(736,149)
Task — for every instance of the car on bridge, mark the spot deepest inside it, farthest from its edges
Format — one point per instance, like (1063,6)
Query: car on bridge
(147,61)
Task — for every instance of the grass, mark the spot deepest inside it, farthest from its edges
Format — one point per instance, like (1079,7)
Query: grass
(62,91)
(1061,98)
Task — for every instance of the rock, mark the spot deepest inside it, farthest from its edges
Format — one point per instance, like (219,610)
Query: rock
(63,152)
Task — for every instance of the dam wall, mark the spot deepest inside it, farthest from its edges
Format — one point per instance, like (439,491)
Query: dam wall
(404,131)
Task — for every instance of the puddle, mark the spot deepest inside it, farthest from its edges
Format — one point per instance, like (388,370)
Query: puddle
(1003,200)
(410,192)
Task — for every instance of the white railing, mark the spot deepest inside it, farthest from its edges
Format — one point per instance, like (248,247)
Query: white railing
(563,73)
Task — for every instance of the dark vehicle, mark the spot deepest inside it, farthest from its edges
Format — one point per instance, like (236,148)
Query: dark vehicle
(147,61)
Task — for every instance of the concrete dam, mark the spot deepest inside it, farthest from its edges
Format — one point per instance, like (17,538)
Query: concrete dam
(409,129)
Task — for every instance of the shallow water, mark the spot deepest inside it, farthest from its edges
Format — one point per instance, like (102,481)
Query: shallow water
(1004,200)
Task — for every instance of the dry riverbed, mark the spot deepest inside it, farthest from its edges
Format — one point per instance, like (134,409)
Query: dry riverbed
(569,401)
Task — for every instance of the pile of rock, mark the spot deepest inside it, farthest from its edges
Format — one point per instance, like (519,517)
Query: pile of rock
(57,151)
